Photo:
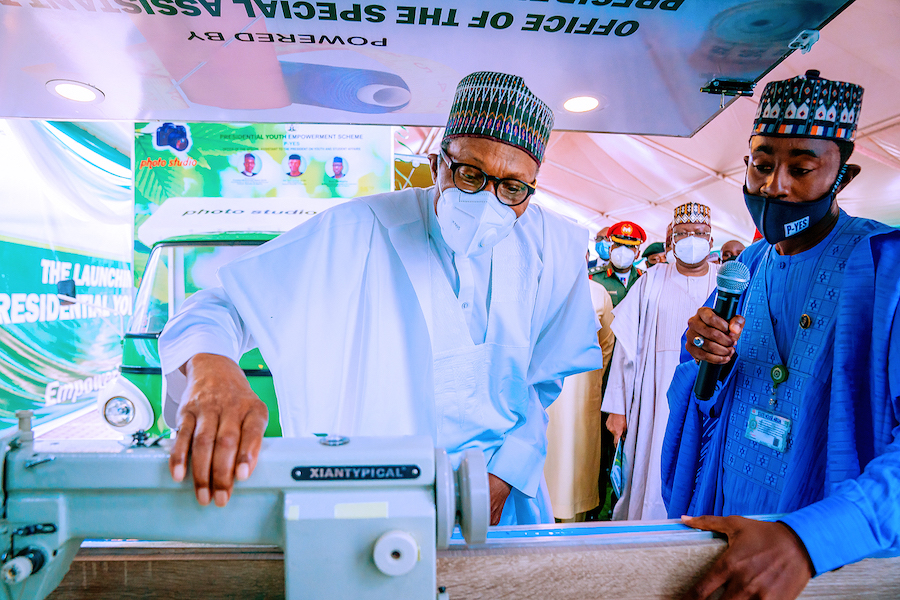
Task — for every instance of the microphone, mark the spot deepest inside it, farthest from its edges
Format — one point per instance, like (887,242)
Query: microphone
(732,280)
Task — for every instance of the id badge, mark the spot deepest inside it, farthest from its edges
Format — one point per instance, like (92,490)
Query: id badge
(768,429)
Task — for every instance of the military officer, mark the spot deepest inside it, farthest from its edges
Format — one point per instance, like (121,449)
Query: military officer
(655,253)
(620,274)
(617,277)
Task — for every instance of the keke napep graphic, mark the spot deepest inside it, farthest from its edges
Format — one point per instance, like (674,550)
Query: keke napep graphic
(190,239)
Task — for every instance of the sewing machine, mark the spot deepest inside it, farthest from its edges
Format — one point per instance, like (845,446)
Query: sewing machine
(356,518)
(359,518)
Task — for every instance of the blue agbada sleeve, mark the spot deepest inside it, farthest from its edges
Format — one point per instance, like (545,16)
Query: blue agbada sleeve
(860,516)
(688,488)
(683,451)
(681,444)
(682,440)
(692,445)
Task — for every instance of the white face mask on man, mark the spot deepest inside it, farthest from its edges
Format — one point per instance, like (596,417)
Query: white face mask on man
(692,250)
(621,257)
(473,223)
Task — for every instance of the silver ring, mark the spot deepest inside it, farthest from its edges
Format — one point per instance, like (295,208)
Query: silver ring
(698,341)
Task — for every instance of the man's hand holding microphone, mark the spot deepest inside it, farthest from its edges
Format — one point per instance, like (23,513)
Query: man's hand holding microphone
(713,332)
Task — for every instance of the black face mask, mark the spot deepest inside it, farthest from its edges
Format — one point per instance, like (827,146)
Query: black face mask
(778,220)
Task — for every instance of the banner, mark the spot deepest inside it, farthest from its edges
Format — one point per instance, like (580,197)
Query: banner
(53,353)
(196,178)
(66,214)
(643,61)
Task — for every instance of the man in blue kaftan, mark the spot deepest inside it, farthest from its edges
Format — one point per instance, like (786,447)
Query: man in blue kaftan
(804,422)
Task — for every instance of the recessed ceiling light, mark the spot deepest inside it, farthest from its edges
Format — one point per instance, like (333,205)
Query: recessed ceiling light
(581,104)
(75,91)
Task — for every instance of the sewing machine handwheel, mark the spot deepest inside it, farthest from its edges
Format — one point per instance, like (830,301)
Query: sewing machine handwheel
(444,497)
(474,497)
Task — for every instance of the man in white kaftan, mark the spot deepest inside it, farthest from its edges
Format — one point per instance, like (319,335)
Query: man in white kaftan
(374,322)
(648,325)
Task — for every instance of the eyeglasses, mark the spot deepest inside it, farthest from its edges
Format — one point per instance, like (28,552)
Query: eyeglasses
(472,180)
(682,235)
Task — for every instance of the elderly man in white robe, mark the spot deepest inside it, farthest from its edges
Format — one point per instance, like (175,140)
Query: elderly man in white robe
(453,311)
(648,326)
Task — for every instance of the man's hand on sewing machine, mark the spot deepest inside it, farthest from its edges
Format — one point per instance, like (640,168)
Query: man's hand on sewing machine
(499,492)
(763,560)
(222,427)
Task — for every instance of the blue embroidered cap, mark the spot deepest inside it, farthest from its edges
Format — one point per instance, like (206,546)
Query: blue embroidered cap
(809,106)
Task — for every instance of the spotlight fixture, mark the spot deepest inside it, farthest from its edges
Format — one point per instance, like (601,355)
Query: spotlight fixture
(75,91)
(581,104)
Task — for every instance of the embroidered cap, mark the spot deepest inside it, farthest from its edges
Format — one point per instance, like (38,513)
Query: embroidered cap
(809,106)
(500,107)
(692,212)
(627,233)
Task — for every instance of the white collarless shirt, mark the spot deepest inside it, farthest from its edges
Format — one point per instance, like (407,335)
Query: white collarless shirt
(469,277)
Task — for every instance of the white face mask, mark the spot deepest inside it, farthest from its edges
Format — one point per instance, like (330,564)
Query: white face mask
(692,250)
(473,223)
(621,257)
(670,256)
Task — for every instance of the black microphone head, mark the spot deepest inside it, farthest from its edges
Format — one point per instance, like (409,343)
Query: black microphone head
(733,277)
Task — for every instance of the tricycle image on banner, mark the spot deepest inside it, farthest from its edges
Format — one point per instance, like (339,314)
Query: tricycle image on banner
(190,239)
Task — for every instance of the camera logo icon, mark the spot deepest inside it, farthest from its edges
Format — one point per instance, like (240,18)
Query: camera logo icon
(174,136)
